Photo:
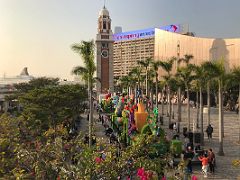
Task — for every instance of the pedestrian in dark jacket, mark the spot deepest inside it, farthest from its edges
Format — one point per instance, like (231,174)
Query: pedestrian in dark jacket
(209,131)
(211,160)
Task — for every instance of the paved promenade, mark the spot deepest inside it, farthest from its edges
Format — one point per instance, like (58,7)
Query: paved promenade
(224,169)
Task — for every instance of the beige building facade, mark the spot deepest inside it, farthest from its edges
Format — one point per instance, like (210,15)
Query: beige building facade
(127,53)
(161,44)
(167,45)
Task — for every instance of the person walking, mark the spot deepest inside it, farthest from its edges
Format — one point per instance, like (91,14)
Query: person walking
(188,156)
(204,160)
(211,160)
(209,131)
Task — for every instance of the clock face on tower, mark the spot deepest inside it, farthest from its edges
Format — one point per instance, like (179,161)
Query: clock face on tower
(104,53)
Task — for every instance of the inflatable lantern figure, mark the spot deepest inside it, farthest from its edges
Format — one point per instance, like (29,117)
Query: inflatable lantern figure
(140,117)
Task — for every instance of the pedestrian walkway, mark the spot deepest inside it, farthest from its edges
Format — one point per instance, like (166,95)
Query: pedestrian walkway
(224,169)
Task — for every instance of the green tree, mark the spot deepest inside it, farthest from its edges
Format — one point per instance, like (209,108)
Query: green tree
(167,67)
(36,83)
(201,79)
(210,74)
(155,66)
(186,59)
(136,73)
(221,74)
(47,107)
(235,73)
(146,64)
(185,74)
(9,141)
(125,83)
(86,50)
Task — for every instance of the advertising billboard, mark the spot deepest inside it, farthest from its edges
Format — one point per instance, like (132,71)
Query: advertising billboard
(144,33)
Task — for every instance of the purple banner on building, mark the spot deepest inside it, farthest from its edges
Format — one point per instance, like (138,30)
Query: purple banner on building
(144,33)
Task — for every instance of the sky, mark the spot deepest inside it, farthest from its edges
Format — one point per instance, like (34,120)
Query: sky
(38,34)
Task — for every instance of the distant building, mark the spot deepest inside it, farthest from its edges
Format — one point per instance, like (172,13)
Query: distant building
(132,46)
(6,86)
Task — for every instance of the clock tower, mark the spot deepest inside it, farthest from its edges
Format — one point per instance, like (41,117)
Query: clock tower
(104,46)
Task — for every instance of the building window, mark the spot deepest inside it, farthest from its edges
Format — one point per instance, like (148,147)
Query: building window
(104,45)
(104,25)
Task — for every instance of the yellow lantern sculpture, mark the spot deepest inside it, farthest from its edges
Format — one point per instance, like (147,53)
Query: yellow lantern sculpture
(140,117)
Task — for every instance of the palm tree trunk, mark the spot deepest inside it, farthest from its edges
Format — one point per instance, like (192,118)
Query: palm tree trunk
(162,99)
(188,109)
(238,111)
(138,88)
(156,97)
(146,82)
(220,101)
(208,102)
(151,98)
(90,111)
(197,107)
(179,107)
(156,103)
(135,94)
(201,116)
(170,107)
(169,103)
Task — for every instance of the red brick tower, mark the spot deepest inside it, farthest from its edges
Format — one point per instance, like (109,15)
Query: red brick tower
(104,46)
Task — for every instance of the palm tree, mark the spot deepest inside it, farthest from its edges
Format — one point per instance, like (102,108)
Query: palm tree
(125,83)
(236,76)
(155,66)
(200,77)
(210,74)
(163,87)
(167,67)
(220,70)
(180,84)
(146,63)
(86,50)
(136,73)
(187,58)
(185,74)
(151,75)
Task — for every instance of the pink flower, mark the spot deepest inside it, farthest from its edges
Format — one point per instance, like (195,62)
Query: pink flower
(164,178)
(98,160)
(194,177)
(140,172)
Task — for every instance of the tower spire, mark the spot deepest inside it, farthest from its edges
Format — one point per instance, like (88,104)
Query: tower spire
(104,4)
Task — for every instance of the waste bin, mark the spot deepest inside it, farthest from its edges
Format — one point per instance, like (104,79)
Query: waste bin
(185,131)
(197,137)
(190,137)
(161,120)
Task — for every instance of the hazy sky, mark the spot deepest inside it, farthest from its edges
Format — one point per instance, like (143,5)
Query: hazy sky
(38,33)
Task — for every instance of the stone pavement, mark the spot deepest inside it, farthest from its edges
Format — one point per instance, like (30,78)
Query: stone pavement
(98,129)
(224,169)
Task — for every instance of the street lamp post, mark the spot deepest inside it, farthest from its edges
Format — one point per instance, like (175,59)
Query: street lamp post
(179,88)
